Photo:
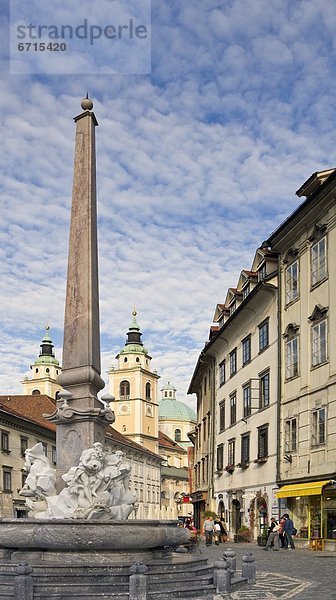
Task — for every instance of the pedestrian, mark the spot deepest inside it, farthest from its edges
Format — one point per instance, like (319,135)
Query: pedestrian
(208,528)
(217,531)
(281,531)
(273,536)
(289,532)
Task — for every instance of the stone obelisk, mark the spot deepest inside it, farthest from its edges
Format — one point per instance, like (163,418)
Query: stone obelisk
(81,418)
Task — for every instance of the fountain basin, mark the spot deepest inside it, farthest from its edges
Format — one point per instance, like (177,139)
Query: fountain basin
(110,540)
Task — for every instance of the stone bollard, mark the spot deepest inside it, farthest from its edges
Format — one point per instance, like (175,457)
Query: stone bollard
(222,576)
(230,556)
(249,567)
(138,582)
(23,583)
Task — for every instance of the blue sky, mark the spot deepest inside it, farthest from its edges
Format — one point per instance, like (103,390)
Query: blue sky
(197,162)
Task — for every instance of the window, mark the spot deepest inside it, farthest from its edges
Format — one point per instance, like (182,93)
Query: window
(233,409)
(45,448)
(290,435)
(319,426)
(292,357)
(246,400)
(209,425)
(233,362)
(148,391)
(262,272)
(5,441)
(233,307)
(36,392)
(263,441)
(6,479)
(245,448)
(24,476)
(220,454)
(53,455)
(23,445)
(246,291)
(246,348)
(203,469)
(319,343)
(292,282)
(222,416)
(263,335)
(319,261)
(222,373)
(177,435)
(124,390)
(264,390)
(231,452)
(204,430)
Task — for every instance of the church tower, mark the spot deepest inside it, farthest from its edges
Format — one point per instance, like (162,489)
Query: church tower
(134,387)
(45,370)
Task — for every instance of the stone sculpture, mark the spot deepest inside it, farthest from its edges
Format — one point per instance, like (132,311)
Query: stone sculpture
(40,481)
(98,488)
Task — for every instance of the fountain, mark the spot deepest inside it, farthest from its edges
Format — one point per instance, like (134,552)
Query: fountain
(79,512)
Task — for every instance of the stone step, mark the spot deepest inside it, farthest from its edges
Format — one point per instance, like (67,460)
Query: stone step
(79,588)
(185,584)
(206,591)
(84,595)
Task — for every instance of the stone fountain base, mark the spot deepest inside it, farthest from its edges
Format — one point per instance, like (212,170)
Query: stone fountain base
(82,541)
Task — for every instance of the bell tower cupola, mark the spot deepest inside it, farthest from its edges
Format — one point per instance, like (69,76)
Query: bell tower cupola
(133,384)
(45,371)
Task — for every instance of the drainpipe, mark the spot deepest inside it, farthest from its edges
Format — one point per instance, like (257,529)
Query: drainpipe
(279,387)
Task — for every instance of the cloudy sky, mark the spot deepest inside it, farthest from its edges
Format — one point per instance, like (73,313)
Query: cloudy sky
(198,161)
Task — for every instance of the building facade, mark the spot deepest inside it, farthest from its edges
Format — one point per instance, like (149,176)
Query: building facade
(306,243)
(243,350)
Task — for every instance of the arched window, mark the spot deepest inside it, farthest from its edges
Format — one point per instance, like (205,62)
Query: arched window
(124,428)
(36,392)
(36,370)
(47,370)
(57,395)
(166,394)
(170,394)
(148,391)
(124,390)
(177,434)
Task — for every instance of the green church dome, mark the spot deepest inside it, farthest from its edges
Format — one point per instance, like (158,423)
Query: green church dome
(170,408)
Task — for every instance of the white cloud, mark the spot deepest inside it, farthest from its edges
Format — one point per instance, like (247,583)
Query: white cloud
(196,165)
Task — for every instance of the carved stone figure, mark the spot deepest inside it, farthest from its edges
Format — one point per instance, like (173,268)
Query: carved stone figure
(40,481)
(98,488)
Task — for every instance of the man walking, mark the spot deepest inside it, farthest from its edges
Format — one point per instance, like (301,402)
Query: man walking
(208,528)
(289,532)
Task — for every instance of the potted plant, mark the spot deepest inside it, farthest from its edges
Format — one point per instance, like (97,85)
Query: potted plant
(243,534)
(262,538)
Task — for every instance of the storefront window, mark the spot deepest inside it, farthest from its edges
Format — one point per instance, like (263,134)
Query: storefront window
(299,510)
(329,514)
(315,516)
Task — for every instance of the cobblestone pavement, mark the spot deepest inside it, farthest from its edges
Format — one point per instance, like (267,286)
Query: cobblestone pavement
(299,574)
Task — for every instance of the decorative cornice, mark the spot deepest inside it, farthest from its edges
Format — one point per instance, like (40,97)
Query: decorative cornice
(318,231)
(291,330)
(318,313)
(290,255)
